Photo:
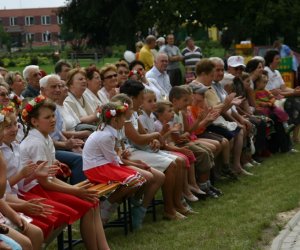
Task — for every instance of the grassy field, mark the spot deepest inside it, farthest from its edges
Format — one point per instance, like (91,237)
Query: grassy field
(49,68)
(233,222)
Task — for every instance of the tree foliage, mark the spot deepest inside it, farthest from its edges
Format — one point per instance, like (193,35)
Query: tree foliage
(105,22)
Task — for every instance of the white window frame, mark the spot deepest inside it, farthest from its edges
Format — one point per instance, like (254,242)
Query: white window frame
(44,20)
(59,20)
(29,36)
(13,21)
(46,37)
(28,19)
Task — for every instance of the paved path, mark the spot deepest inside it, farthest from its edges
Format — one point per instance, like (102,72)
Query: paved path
(289,237)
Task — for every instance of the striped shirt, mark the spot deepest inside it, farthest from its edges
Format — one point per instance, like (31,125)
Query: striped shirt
(191,57)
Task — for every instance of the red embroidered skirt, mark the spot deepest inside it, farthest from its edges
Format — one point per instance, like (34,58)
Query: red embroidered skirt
(113,173)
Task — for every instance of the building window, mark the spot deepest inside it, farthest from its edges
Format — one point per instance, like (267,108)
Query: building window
(45,20)
(29,37)
(46,36)
(12,21)
(59,20)
(29,20)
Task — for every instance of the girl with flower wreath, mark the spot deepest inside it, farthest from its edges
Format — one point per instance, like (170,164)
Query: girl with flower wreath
(101,162)
(40,212)
(27,235)
(72,202)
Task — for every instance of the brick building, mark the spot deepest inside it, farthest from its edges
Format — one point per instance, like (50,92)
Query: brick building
(40,25)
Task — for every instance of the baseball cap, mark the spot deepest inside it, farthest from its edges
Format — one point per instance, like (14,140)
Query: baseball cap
(236,61)
(198,88)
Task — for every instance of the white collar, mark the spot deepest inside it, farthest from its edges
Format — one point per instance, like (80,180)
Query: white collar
(111,130)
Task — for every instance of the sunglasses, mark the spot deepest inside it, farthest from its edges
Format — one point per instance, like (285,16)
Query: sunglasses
(110,76)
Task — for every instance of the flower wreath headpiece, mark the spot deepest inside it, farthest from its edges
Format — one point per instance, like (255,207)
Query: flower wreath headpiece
(15,100)
(119,109)
(4,111)
(138,73)
(31,106)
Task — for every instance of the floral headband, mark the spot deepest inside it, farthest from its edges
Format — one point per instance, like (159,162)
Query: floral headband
(15,100)
(5,111)
(31,106)
(138,73)
(118,110)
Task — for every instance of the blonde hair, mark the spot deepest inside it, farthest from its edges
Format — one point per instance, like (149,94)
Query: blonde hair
(107,67)
(161,107)
(72,73)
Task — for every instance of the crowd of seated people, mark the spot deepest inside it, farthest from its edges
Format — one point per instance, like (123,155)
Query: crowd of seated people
(122,124)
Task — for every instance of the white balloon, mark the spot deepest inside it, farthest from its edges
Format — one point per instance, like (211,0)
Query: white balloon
(129,56)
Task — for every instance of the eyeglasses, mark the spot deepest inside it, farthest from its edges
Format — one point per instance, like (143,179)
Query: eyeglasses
(110,76)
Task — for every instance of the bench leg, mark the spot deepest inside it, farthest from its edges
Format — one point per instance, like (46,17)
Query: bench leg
(70,239)
(60,241)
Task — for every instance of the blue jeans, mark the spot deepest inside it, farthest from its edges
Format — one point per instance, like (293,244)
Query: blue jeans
(74,161)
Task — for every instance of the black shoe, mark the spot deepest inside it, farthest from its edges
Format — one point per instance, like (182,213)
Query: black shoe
(216,190)
(229,173)
(200,196)
(257,158)
(211,194)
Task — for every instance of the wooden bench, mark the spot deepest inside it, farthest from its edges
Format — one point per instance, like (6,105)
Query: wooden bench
(102,189)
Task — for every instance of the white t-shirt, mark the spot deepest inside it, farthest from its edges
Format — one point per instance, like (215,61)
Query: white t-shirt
(275,79)
(35,147)
(12,159)
(147,121)
(99,149)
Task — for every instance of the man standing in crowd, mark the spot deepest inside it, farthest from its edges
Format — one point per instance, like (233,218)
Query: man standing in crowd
(175,57)
(191,54)
(159,73)
(146,56)
(32,76)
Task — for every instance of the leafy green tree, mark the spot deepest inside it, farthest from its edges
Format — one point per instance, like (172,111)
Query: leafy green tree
(5,38)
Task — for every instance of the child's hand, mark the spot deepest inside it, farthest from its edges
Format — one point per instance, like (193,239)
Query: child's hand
(19,222)
(43,170)
(142,165)
(85,194)
(176,128)
(212,115)
(237,100)
(36,207)
(154,145)
(125,154)
(186,151)
(28,169)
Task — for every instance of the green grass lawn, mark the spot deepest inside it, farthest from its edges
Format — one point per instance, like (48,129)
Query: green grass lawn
(233,222)
(49,68)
